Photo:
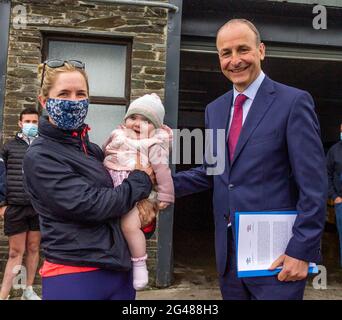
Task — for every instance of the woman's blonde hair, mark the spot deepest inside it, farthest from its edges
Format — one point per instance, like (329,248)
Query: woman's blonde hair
(50,75)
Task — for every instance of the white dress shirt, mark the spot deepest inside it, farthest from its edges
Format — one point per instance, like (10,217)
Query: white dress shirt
(250,93)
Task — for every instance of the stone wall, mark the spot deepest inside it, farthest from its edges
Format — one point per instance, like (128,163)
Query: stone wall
(146,25)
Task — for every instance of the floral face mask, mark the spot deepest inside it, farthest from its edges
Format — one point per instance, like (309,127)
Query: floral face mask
(67,114)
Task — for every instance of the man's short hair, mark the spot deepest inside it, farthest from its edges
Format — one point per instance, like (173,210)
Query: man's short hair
(248,23)
(29,110)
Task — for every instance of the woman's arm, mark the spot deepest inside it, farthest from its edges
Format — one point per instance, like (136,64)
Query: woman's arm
(67,195)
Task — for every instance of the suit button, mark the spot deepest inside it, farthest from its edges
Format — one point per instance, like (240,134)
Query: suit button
(227,217)
(230,186)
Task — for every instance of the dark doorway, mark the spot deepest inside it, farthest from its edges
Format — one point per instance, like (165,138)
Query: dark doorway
(319,78)
(201,81)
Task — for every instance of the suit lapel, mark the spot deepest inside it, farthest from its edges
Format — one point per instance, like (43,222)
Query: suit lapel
(221,122)
(261,103)
(226,109)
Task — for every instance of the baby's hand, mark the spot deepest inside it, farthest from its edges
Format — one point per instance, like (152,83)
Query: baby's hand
(163,205)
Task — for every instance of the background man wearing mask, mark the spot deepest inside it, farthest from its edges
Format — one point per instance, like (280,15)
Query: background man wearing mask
(21,223)
(334,165)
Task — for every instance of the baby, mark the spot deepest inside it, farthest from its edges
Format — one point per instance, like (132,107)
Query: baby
(143,131)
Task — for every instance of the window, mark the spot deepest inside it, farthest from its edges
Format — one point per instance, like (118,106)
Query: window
(108,66)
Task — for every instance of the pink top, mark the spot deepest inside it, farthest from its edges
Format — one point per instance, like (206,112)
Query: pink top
(52,269)
(121,152)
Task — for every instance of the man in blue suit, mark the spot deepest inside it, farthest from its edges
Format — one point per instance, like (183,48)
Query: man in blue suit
(274,161)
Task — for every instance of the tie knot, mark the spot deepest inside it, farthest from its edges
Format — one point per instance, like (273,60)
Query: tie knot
(240,100)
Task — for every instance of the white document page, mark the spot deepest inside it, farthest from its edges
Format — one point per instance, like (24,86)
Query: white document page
(262,239)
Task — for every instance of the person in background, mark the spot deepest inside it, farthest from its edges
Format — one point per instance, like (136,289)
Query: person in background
(334,169)
(21,222)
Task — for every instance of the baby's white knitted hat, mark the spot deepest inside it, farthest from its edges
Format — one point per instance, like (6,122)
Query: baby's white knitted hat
(149,106)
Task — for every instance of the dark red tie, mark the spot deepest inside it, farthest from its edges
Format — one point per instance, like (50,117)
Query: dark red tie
(236,125)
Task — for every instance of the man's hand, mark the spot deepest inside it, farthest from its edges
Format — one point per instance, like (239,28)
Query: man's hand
(2,211)
(337,200)
(147,212)
(148,170)
(293,269)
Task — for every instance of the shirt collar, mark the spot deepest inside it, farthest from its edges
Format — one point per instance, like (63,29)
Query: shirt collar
(26,138)
(252,89)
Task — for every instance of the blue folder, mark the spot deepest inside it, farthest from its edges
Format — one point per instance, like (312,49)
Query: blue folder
(260,273)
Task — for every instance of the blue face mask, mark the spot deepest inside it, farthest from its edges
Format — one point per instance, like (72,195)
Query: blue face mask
(30,129)
(67,114)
